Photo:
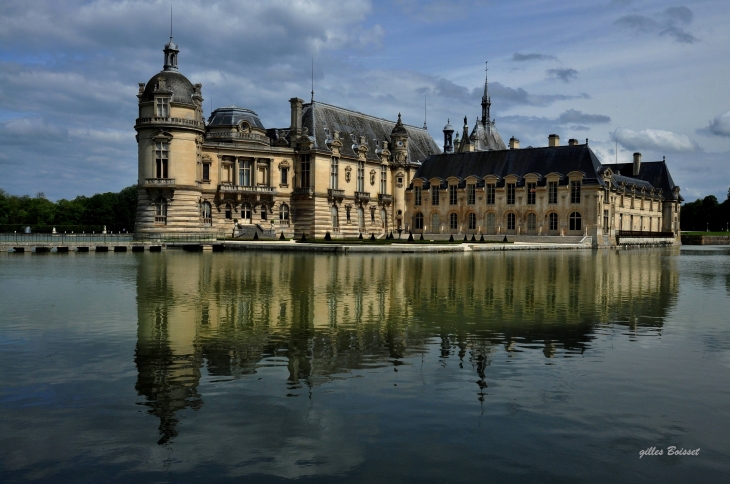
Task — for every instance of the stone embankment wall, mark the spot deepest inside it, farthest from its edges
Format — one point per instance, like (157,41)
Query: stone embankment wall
(706,239)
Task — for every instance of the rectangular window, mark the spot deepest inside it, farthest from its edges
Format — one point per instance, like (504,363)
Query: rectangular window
(605,221)
(285,176)
(575,192)
(383,179)
(471,191)
(435,195)
(510,194)
(306,165)
(244,173)
(531,193)
(161,150)
(417,196)
(163,107)
(606,195)
(334,169)
(360,176)
(206,171)
(452,195)
(491,191)
(552,192)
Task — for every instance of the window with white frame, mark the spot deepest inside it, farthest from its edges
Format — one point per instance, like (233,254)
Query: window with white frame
(471,191)
(510,194)
(162,105)
(491,190)
(360,176)
(161,155)
(531,193)
(575,192)
(553,192)
(417,196)
(383,179)
(435,195)
(452,195)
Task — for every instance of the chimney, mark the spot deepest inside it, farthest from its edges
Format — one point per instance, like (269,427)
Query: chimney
(572,142)
(553,140)
(295,130)
(637,163)
(514,143)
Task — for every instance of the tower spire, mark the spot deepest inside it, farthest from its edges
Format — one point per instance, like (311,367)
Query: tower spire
(425,110)
(170,50)
(486,101)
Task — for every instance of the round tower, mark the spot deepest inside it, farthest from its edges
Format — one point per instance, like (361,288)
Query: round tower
(170,131)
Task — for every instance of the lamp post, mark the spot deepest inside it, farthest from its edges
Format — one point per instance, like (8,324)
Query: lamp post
(708,226)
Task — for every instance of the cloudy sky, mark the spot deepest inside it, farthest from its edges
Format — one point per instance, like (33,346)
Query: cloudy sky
(648,76)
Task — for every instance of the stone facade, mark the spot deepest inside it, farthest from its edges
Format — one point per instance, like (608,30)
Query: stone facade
(332,170)
(551,191)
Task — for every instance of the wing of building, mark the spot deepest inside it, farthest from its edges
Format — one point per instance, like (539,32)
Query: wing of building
(550,191)
(338,171)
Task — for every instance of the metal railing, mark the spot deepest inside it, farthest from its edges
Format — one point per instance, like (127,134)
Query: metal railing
(65,238)
(333,193)
(235,135)
(362,196)
(384,197)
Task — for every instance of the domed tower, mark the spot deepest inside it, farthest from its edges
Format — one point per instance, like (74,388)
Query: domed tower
(399,142)
(170,131)
(448,137)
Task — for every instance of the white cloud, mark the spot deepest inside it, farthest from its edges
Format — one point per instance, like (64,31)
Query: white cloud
(654,139)
(720,126)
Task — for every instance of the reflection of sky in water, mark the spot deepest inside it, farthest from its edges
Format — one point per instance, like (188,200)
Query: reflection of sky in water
(551,365)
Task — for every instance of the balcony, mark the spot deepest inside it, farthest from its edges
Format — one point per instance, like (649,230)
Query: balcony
(257,190)
(221,136)
(385,198)
(306,192)
(159,182)
(362,196)
(157,120)
(336,194)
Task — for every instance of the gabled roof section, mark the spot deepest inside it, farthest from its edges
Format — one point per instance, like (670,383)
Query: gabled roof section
(656,173)
(487,138)
(520,162)
(322,120)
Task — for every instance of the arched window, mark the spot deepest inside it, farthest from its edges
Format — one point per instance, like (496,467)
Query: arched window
(206,213)
(510,221)
(418,221)
(575,222)
(335,217)
(531,221)
(472,221)
(553,221)
(435,222)
(229,211)
(246,212)
(284,213)
(453,221)
(491,223)
(161,211)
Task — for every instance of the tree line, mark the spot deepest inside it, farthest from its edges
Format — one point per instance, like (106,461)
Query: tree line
(116,211)
(706,214)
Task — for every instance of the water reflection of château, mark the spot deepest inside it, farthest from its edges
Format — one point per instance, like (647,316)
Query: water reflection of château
(326,315)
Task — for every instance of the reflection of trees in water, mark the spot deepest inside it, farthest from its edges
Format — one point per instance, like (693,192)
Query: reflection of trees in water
(323,316)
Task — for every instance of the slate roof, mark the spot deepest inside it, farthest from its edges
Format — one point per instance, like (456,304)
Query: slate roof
(232,115)
(322,120)
(487,137)
(182,89)
(520,162)
(656,173)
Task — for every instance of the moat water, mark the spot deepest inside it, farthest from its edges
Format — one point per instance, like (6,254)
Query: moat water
(266,367)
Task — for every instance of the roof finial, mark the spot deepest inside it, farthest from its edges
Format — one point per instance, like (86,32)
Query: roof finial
(312,78)
(170,21)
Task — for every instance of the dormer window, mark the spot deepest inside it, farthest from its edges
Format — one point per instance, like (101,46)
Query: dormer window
(163,107)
